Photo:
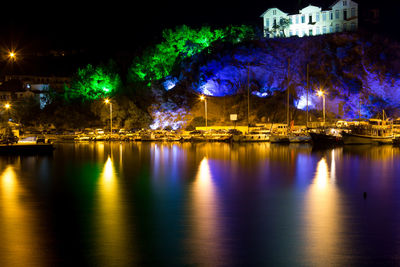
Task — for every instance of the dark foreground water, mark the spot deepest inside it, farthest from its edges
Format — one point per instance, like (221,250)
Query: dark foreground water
(133,204)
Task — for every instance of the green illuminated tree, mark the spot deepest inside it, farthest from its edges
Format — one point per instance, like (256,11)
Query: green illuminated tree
(157,62)
(92,82)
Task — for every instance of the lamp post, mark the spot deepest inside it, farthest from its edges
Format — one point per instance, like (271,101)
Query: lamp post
(205,106)
(108,101)
(322,93)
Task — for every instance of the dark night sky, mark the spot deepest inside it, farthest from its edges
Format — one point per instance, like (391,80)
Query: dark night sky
(119,26)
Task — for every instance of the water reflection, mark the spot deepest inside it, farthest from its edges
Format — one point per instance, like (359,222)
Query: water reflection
(324,224)
(110,220)
(205,231)
(21,242)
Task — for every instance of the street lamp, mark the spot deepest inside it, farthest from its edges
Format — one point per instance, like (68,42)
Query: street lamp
(108,101)
(202,97)
(7,106)
(12,55)
(322,93)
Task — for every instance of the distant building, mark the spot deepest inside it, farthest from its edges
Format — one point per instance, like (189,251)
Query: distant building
(20,87)
(41,83)
(341,16)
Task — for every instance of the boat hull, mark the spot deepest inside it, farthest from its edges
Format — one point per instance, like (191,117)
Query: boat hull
(26,148)
(325,139)
(279,139)
(358,139)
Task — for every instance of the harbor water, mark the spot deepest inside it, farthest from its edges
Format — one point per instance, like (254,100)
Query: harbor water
(201,204)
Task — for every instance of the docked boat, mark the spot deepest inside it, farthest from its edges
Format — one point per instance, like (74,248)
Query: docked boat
(371,131)
(279,134)
(299,138)
(261,135)
(29,145)
(83,138)
(279,138)
(326,137)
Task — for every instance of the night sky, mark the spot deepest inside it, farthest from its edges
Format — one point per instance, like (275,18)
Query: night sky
(106,29)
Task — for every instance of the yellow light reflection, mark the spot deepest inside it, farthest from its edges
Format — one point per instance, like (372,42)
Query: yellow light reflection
(108,172)
(205,236)
(20,238)
(323,217)
(110,217)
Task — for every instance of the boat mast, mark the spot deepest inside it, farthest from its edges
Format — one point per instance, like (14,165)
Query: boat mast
(248,96)
(287,102)
(307,99)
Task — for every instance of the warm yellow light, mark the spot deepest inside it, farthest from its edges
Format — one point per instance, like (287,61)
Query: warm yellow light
(320,93)
(202,97)
(7,106)
(107,101)
(12,55)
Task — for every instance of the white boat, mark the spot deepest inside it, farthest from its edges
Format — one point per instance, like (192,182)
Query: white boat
(82,138)
(372,131)
(256,136)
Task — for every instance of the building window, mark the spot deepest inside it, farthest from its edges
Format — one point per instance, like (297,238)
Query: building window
(310,32)
(324,29)
(345,14)
(336,14)
(290,20)
(330,29)
(317,31)
(303,32)
(324,16)
(331,15)
(297,19)
(353,26)
(273,12)
(337,28)
(317,17)
(297,32)
(344,3)
(344,27)
(267,23)
(290,33)
(353,12)
(303,19)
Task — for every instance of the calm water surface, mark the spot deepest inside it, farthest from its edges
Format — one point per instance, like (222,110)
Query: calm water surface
(207,204)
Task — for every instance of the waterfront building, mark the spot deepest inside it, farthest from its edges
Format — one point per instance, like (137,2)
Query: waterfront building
(341,16)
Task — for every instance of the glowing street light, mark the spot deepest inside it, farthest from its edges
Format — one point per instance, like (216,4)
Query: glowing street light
(203,97)
(108,101)
(7,107)
(12,55)
(322,93)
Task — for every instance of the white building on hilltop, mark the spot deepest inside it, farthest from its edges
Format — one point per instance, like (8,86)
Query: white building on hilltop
(312,20)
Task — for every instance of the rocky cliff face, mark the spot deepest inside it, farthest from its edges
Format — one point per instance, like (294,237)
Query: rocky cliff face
(359,73)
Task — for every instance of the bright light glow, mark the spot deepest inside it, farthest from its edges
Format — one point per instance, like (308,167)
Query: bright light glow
(259,94)
(12,55)
(107,101)
(302,103)
(108,172)
(202,97)
(322,175)
(320,93)
(106,89)
(7,106)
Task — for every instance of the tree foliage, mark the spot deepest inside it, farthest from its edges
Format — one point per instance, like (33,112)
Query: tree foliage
(93,82)
(157,62)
